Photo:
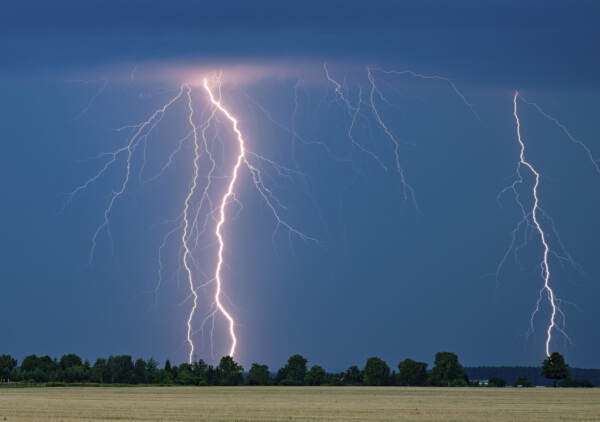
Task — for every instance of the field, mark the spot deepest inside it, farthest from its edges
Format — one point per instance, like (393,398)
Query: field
(297,404)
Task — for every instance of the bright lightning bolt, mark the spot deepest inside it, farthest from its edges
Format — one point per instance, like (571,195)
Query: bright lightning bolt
(222,215)
(201,209)
(542,234)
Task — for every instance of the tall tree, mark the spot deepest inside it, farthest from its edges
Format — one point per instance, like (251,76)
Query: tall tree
(185,375)
(293,372)
(447,370)
(151,369)
(316,376)
(376,372)
(230,372)
(353,376)
(411,372)
(121,368)
(70,360)
(101,371)
(140,374)
(30,363)
(258,375)
(555,368)
(7,364)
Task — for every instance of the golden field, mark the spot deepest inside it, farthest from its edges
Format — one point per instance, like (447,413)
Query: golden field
(298,404)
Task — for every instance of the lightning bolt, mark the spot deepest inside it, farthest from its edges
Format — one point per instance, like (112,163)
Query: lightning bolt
(186,223)
(222,216)
(534,214)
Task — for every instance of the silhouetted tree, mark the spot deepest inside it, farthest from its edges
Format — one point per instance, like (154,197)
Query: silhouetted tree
(185,375)
(151,369)
(121,369)
(100,372)
(30,363)
(212,375)
(316,376)
(168,366)
(258,375)
(39,369)
(140,375)
(163,377)
(376,372)
(411,372)
(293,372)
(229,372)
(199,371)
(353,376)
(447,371)
(70,360)
(555,368)
(7,365)
(75,373)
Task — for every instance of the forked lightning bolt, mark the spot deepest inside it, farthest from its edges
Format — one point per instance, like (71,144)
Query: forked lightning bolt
(535,217)
(199,199)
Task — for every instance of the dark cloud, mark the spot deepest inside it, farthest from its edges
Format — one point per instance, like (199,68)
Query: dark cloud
(506,43)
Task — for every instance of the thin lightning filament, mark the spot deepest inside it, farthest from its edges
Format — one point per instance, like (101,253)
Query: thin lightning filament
(186,223)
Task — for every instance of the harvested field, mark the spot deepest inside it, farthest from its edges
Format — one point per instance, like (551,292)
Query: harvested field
(298,404)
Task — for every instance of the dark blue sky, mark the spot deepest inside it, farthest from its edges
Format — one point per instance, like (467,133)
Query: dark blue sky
(384,279)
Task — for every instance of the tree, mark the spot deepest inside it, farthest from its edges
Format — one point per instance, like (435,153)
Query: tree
(140,374)
(447,371)
(185,376)
(293,372)
(168,366)
(212,375)
(555,368)
(121,369)
(30,363)
(75,373)
(496,382)
(335,379)
(411,372)
(199,371)
(376,372)
(100,372)
(40,369)
(522,381)
(258,375)
(7,364)
(230,372)
(353,376)
(162,377)
(151,369)
(70,360)
(316,376)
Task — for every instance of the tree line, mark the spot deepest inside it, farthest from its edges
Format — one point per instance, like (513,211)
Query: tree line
(122,369)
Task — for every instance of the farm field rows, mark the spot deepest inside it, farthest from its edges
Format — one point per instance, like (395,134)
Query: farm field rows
(297,404)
